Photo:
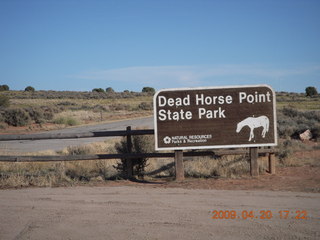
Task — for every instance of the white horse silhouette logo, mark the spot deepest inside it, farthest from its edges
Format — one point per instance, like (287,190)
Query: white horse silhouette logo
(253,123)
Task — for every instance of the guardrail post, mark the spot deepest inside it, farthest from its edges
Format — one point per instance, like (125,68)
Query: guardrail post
(178,160)
(254,166)
(129,148)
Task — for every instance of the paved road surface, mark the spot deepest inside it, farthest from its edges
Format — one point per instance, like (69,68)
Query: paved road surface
(126,212)
(56,144)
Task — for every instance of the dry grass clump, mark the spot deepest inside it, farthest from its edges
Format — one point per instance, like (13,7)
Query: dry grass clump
(160,167)
(55,174)
(230,166)
(32,174)
(202,167)
(225,166)
(47,174)
(294,153)
(67,121)
(94,169)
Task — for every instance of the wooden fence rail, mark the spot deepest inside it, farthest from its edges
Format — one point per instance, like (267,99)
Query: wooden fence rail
(44,136)
(178,155)
(50,158)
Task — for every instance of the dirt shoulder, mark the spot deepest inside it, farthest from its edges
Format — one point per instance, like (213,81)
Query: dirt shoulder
(166,209)
(294,179)
(123,212)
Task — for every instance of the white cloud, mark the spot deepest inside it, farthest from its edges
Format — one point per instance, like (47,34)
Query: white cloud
(157,75)
(198,75)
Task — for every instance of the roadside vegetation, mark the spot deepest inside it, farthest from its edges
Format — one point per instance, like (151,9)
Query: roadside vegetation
(296,113)
(40,110)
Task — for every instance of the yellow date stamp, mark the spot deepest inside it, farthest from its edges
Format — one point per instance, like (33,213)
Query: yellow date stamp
(259,214)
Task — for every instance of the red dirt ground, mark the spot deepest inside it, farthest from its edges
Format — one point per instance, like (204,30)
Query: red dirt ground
(296,179)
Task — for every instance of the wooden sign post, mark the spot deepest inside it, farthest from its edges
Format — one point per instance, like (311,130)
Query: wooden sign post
(215,117)
(129,167)
(254,167)
(179,167)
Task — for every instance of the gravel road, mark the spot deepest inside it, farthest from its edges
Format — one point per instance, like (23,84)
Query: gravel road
(148,212)
(56,144)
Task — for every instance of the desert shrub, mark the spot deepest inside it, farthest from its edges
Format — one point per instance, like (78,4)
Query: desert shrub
(140,144)
(292,122)
(69,121)
(84,107)
(120,107)
(80,173)
(17,117)
(4,101)
(2,118)
(29,89)
(48,112)
(286,125)
(106,170)
(316,132)
(40,114)
(99,108)
(3,125)
(285,150)
(82,170)
(66,103)
(56,109)
(290,112)
(79,150)
(145,106)
(59,120)
(36,114)
(311,115)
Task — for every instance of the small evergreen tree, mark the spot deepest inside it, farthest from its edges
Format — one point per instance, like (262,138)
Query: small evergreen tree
(29,89)
(311,91)
(140,144)
(4,88)
(148,90)
(109,90)
(97,90)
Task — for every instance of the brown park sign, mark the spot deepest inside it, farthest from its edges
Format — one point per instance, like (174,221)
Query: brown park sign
(215,117)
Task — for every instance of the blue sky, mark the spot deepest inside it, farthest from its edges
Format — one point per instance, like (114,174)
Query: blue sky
(129,44)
